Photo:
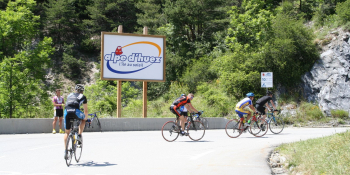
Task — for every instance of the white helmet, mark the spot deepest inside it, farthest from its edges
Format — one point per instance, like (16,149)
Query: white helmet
(79,87)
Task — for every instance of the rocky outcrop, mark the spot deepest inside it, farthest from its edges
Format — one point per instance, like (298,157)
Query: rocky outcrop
(328,81)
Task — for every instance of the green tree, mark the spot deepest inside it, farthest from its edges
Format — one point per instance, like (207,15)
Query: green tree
(61,22)
(23,58)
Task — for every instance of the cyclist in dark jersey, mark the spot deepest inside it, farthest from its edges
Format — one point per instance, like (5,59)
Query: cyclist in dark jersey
(72,110)
(175,108)
(261,102)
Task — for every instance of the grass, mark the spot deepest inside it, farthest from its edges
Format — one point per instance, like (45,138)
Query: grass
(327,155)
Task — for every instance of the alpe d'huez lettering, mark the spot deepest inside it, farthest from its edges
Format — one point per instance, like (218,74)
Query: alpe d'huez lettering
(135,60)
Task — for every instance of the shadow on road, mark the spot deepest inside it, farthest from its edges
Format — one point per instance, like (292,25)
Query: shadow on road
(95,164)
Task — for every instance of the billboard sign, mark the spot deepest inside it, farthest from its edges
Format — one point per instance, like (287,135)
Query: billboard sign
(266,79)
(132,57)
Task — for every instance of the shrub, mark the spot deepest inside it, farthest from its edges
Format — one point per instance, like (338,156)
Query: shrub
(343,11)
(340,114)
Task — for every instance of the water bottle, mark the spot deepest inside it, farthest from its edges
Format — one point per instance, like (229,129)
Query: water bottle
(76,136)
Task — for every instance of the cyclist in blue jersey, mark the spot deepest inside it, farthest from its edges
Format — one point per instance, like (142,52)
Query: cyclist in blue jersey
(242,107)
(72,110)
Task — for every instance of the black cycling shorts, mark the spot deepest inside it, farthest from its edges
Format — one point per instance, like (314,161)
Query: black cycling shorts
(58,113)
(260,109)
(175,111)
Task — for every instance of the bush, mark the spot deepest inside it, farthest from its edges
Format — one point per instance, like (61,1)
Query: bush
(343,11)
(310,111)
(214,101)
(340,114)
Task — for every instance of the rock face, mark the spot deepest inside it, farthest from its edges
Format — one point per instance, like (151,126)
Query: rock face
(328,81)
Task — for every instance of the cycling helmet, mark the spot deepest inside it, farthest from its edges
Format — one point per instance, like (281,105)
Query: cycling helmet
(269,93)
(250,94)
(79,87)
(183,94)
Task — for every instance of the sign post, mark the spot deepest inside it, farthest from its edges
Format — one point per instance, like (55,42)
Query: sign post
(266,80)
(132,57)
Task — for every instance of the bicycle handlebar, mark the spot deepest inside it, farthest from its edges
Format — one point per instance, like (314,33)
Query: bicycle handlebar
(95,113)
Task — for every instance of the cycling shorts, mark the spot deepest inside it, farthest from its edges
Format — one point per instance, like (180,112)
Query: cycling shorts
(260,109)
(58,113)
(240,114)
(72,114)
(175,110)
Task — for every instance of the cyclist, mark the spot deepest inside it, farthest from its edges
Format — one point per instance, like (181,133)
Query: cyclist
(183,109)
(243,106)
(74,101)
(175,108)
(58,103)
(261,102)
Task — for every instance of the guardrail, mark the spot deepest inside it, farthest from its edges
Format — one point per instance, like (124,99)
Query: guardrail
(23,126)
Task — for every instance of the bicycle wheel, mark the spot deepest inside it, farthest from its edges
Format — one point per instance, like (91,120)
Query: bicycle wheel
(258,128)
(69,148)
(276,125)
(98,124)
(232,128)
(78,149)
(170,131)
(205,122)
(197,131)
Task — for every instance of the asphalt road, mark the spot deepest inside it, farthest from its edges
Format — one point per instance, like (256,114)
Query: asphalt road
(146,152)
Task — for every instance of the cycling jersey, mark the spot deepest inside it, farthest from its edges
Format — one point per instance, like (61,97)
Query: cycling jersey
(74,100)
(263,100)
(241,107)
(243,104)
(58,100)
(181,101)
(72,110)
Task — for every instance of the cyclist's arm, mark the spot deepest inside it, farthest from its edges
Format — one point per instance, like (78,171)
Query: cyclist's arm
(252,108)
(85,110)
(274,107)
(191,108)
(55,104)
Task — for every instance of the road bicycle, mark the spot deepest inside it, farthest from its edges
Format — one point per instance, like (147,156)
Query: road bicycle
(73,146)
(201,119)
(235,127)
(195,129)
(90,121)
(276,123)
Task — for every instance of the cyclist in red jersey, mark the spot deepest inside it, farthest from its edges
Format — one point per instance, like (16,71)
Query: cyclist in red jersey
(175,108)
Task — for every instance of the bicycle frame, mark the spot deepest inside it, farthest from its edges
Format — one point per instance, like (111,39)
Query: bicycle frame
(92,117)
(270,116)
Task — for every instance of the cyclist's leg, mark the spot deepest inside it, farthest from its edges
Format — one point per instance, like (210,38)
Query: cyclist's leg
(240,115)
(261,109)
(182,122)
(66,127)
(83,119)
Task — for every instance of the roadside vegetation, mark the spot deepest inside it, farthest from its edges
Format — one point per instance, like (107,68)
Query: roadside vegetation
(327,155)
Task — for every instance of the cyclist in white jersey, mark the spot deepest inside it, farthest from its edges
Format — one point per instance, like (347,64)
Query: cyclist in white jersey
(243,106)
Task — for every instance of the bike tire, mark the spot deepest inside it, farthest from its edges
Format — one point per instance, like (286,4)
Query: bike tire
(232,128)
(258,128)
(170,131)
(69,148)
(78,149)
(196,133)
(99,124)
(276,125)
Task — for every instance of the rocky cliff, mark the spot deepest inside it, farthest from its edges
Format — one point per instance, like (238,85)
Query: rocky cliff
(328,81)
